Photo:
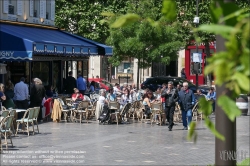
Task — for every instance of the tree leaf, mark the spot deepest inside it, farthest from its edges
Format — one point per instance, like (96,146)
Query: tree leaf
(229,107)
(205,107)
(243,80)
(169,10)
(125,20)
(215,12)
(107,14)
(211,127)
(192,133)
(222,30)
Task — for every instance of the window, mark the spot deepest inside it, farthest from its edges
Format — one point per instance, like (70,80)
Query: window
(48,8)
(36,8)
(107,83)
(12,6)
(47,15)
(192,63)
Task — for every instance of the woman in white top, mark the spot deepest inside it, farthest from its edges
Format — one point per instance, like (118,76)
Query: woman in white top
(102,99)
(125,98)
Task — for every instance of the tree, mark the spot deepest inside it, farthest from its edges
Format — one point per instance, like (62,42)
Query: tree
(142,41)
(230,66)
(83,17)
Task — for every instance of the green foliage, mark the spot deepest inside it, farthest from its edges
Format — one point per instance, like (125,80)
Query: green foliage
(169,10)
(231,110)
(83,17)
(244,162)
(142,37)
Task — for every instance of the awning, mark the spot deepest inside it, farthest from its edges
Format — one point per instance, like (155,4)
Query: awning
(102,48)
(24,43)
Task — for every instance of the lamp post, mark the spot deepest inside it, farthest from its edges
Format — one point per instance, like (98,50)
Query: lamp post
(196,21)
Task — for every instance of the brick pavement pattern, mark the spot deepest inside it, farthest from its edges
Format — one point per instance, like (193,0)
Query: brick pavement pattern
(126,144)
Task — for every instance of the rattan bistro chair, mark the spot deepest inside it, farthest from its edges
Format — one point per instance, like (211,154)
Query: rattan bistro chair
(6,130)
(81,111)
(28,118)
(157,110)
(36,114)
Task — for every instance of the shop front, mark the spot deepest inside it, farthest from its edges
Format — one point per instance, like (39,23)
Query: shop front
(45,52)
(189,70)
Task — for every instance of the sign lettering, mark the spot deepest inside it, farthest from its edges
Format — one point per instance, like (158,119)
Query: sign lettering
(6,53)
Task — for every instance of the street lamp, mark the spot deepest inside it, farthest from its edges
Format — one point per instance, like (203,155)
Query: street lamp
(196,21)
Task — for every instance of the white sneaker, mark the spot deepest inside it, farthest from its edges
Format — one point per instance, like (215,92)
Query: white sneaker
(188,128)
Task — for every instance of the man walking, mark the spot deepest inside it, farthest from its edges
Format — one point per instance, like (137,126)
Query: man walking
(81,83)
(171,97)
(70,84)
(187,100)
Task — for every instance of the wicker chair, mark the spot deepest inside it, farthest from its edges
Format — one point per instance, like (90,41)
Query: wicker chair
(6,130)
(27,118)
(81,111)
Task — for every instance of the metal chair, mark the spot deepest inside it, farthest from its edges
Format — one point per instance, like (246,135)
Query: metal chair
(6,130)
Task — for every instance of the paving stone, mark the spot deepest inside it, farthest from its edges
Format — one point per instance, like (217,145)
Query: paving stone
(126,144)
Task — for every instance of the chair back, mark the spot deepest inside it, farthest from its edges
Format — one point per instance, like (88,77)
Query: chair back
(5,113)
(3,108)
(113,105)
(13,112)
(36,112)
(156,106)
(82,105)
(85,97)
(31,113)
(7,121)
(125,109)
(95,96)
(61,101)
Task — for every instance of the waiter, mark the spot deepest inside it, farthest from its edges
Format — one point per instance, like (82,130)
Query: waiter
(171,97)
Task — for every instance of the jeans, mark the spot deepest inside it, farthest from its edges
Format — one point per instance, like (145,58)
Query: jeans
(186,117)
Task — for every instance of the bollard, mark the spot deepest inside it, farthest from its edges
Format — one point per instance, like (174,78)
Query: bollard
(119,79)
(242,103)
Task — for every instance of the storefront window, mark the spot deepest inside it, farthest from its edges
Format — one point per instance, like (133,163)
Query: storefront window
(192,72)
(41,70)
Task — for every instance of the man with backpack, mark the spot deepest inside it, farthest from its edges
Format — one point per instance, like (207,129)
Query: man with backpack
(171,97)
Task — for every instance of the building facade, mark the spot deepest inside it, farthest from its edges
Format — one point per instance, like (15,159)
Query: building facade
(31,45)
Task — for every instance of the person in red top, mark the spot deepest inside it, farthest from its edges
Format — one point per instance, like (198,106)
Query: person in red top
(77,95)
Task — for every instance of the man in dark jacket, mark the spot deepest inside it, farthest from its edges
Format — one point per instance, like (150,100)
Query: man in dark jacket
(186,100)
(70,84)
(171,96)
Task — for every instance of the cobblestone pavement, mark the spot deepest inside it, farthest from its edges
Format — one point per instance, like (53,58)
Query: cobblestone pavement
(126,144)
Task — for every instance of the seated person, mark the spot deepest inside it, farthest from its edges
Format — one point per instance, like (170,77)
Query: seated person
(102,100)
(211,96)
(77,96)
(92,87)
(49,91)
(199,95)
(125,98)
(132,95)
(111,96)
(158,94)
(148,99)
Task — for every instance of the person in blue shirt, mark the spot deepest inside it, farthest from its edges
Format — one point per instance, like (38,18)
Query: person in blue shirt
(111,96)
(92,87)
(186,101)
(81,83)
(211,96)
